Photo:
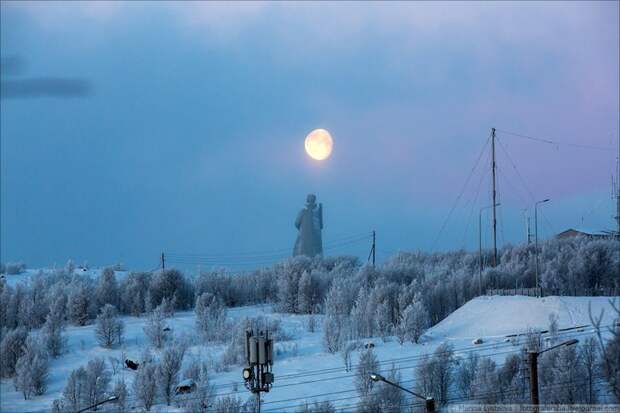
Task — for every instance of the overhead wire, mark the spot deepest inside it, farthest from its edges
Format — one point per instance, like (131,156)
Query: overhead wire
(532,196)
(460,195)
(473,203)
(591,330)
(554,142)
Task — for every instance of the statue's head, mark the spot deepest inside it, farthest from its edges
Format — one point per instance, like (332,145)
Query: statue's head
(310,199)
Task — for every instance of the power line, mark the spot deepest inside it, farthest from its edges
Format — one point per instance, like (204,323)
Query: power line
(556,143)
(473,203)
(514,166)
(456,201)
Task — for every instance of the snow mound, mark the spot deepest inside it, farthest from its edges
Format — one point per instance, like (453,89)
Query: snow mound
(498,316)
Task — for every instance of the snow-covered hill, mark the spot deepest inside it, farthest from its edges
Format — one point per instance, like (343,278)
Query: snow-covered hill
(498,316)
(303,371)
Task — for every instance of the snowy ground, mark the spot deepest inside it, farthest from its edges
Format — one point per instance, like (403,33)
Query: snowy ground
(303,371)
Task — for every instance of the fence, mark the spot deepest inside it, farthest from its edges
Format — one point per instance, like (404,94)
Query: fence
(542,292)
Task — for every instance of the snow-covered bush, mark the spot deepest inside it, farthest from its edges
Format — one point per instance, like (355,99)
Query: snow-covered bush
(228,404)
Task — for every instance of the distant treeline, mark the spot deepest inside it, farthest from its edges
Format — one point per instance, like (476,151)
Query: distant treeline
(441,281)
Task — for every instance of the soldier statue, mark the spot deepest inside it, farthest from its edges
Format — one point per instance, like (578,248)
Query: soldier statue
(309,222)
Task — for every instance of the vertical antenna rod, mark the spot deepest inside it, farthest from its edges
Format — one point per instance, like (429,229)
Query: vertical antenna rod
(494,201)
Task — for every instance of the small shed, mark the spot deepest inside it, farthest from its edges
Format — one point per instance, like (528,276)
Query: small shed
(185,386)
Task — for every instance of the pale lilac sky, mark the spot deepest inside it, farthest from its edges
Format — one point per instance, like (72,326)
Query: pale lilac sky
(191,139)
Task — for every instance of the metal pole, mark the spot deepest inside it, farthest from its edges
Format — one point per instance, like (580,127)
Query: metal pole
(536,239)
(430,405)
(494,203)
(94,406)
(163,262)
(533,360)
(618,193)
(536,243)
(258,399)
(374,245)
(430,402)
(480,253)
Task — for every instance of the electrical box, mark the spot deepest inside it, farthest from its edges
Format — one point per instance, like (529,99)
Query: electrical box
(262,351)
(253,351)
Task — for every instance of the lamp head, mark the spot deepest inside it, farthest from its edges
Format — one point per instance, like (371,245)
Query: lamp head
(376,377)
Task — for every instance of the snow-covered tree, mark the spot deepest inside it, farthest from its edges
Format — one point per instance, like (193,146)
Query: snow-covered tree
(121,392)
(305,294)
(389,398)
(109,327)
(485,384)
(333,333)
(200,400)
(74,392)
(107,289)
(11,349)
(145,383)
(553,327)
(383,320)
(96,381)
(465,374)
(434,375)
(367,364)
(31,369)
(155,328)
(168,369)
(590,366)
(210,316)
(78,305)
(52,334)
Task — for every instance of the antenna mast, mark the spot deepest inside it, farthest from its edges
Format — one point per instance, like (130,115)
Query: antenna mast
(617,192)
(494,196)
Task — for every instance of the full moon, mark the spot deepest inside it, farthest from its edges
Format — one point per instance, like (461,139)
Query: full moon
(319,144)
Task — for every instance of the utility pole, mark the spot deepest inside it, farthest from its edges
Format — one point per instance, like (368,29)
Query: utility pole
(373,248)
(494,195)
(527,226)
(533,362)
(259,357)
(163,262)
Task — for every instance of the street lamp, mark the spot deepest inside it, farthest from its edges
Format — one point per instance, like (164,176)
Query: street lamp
(480,245)
(533,359)
(94,406)
(536,237)
(430,402)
